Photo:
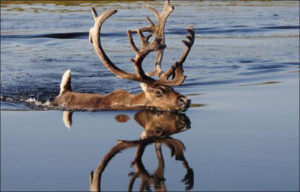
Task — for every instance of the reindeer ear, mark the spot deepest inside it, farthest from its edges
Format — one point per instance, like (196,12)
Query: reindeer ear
(144,87)
(141,118)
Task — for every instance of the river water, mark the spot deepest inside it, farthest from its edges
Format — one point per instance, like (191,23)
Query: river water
(242,76)
(236,43)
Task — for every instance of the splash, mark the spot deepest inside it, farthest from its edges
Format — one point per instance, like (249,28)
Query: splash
(10,103)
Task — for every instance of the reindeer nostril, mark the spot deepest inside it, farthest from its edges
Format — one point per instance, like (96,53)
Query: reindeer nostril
(182,100)
(188,101)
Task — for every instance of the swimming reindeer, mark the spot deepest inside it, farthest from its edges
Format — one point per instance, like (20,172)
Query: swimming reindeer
(156,94)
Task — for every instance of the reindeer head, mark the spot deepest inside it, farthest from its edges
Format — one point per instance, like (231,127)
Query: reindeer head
(158,93)
(165,98)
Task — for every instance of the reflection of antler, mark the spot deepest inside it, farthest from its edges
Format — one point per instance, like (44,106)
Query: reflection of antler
(189,176)
(178,152)
(158,174)
(170,123)
(95,177)
(157,179)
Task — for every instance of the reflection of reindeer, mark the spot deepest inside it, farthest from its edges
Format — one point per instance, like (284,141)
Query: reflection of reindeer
(157,94)
(157,129)
(157,124)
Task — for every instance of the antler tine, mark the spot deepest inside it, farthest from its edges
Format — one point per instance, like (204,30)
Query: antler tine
(95,176)
(161,21)
(131,42)
(150,21)
(94,38)
(155,12)
(158,31)
(158,44)
(188,44)
(177,68)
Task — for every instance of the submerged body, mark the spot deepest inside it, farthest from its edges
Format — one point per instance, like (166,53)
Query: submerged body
(116,100)
(160,98)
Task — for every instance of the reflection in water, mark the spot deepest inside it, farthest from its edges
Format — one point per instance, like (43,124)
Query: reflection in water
(157,129)
(158,126)
(122,118)
(161,124)
(67,119)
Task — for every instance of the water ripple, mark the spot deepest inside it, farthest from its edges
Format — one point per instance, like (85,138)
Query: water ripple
(229,49)
(211,30)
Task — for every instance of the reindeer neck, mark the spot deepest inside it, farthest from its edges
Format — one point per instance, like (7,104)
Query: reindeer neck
(125,100)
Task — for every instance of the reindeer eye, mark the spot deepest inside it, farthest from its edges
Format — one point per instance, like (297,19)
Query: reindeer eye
(158,131)
(158,93)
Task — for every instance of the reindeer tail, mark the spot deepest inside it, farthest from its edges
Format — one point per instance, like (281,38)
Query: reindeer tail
(65,84)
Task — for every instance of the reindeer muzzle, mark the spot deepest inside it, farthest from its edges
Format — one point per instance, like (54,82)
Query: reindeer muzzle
(183,103)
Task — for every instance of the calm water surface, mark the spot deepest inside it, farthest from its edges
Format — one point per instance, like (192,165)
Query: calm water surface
(242,76)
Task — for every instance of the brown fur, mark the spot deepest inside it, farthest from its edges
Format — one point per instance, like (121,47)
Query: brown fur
(122,100)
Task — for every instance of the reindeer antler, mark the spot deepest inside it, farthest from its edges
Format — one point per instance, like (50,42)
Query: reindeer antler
(158,44)
(177,67)
(158,31)
(94,38)
(176,70)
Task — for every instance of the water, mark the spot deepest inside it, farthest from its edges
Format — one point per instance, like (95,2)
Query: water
(241,133)
(245,141)
(236,43)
